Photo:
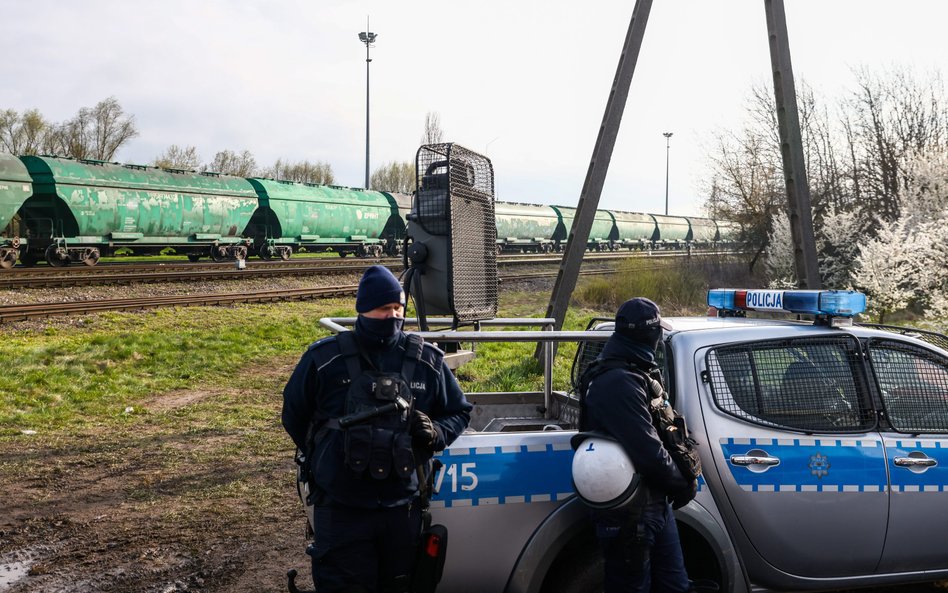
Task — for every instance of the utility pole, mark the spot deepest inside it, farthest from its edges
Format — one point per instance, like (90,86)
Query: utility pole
(667,136)
(791,148)
(368,38)
(598,167)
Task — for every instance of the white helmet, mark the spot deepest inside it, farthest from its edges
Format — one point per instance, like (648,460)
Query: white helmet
(603,475)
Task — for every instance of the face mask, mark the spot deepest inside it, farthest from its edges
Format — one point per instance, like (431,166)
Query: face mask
(378,332)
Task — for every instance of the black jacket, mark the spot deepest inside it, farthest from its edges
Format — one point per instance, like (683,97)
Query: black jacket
(617,404)
(317,390)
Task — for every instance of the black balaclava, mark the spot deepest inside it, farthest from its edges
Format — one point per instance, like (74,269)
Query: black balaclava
(378,333)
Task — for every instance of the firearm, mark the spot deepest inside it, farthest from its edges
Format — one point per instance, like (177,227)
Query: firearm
(399,404)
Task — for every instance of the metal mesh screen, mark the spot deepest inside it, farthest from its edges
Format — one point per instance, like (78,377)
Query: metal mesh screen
(914,385)
(933,338)
(812,385)
(455,197)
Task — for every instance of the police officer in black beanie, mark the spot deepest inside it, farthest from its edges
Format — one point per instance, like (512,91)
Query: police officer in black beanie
(362,476)
(640,544)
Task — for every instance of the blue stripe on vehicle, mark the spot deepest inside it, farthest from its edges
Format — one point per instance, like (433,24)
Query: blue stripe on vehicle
(504,475)
(511,474)
(811,465)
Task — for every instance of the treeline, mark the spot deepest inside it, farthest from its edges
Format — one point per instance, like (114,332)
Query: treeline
(99,132)
(94,133)
(876,164)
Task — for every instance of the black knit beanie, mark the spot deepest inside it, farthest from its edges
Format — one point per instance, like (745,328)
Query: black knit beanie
(378,287)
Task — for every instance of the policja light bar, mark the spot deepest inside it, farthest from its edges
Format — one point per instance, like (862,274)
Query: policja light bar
(835,303)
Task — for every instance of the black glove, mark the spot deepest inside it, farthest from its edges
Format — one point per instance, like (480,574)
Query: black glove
(685,495)
(424,433)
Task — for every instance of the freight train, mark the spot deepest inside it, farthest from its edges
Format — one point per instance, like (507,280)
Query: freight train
(65,210)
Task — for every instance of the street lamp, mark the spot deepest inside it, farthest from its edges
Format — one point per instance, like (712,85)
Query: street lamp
(368,38)
(667,136)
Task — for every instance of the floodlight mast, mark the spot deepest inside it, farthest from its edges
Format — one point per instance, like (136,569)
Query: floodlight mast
(667,136)
(368,38)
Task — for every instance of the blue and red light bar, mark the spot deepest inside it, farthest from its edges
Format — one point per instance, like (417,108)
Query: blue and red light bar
(835,303)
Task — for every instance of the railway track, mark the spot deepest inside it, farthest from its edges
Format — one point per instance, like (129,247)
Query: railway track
(181,272)
(38,310)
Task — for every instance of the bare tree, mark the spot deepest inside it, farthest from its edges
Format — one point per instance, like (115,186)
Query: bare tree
(301,172)
(111,128)
(227,162)
(95,132)
(177,157)
(394,177)
(23,134)
(433,132)
(747,186)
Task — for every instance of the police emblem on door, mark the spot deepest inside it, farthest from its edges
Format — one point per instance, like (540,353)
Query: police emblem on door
(819,465)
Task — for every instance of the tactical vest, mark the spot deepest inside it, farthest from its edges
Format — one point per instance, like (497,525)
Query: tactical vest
(364,458)
(380,444)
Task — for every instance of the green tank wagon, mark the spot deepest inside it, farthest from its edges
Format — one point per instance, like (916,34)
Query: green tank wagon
(602,235)
(15,187)
(82,209)
(704,232)
(294,215)
(674,232)
(525,227)
(636,230)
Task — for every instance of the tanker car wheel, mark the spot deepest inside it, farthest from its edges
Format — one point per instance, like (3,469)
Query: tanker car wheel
(216,254)
(7,258)
(54,259)
(92,258)
(286,253)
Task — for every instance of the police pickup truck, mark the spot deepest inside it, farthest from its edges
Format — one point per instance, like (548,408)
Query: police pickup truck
(824,446)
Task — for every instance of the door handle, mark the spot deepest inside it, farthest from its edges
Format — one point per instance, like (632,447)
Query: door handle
(915,461)
(754,460)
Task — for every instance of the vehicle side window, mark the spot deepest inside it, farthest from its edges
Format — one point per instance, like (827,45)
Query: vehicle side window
(913,382)
(812,385)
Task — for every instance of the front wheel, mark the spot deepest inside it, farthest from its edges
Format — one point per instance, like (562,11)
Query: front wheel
(584,573)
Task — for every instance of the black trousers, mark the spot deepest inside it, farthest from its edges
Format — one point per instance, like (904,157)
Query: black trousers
(365,550)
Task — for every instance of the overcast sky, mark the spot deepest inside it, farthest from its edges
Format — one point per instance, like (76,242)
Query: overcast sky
(523,81)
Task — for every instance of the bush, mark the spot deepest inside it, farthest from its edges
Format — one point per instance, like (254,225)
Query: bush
(680,288)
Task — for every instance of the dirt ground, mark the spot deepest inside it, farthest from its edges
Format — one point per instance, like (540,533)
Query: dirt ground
(192,508)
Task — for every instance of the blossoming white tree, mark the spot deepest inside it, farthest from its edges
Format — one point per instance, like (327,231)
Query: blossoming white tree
(780,266)
(907,261)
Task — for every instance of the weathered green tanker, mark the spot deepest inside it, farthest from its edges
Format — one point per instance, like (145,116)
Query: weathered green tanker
(15,187)
(82,209)
(602,235)
(526,227)
(636,230)
(346,220)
